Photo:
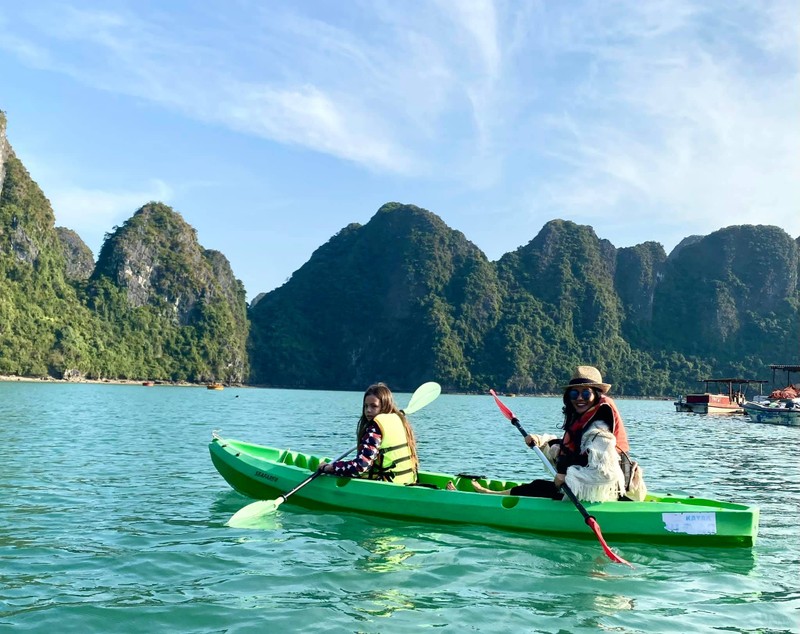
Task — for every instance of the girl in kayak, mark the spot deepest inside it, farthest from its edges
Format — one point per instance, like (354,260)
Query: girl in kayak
(387,447)
(591,456)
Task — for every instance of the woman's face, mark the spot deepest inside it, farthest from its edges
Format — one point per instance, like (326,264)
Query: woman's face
(582,398)
(372,407)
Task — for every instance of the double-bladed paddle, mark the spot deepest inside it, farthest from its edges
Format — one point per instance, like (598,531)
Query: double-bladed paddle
(422,396)
(591,522)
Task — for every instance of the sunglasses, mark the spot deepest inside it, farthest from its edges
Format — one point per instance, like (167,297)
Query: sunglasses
(585,394)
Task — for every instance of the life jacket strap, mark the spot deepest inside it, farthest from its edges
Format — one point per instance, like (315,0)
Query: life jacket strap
(388,449)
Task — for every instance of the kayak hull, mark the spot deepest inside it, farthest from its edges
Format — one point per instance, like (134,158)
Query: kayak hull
(263,472)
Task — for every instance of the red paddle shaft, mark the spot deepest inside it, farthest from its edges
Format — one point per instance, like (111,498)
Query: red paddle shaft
(591,522)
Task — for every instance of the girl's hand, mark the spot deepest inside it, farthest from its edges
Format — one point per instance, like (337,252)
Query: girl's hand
(325,468)
(559,480)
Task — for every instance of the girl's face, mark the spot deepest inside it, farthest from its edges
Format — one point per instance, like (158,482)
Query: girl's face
(372,407)
(582,398)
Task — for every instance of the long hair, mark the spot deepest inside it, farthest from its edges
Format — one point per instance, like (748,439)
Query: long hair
(388,406)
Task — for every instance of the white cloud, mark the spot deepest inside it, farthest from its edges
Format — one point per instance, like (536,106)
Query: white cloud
(661,114)
(308,117)
(327,113)
(683,134)
(478,19)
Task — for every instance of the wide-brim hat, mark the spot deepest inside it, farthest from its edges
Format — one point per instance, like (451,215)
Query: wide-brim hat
(588,376)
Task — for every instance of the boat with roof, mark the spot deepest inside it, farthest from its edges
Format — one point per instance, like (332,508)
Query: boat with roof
(729,401)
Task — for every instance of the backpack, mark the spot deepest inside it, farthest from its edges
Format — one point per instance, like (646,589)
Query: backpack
(635,488)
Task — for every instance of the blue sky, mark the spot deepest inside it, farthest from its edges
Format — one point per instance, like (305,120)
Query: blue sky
(271,125)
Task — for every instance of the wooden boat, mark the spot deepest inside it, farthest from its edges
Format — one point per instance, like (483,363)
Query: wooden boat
(215,386)
(720,403)
(262,472)
(148,383)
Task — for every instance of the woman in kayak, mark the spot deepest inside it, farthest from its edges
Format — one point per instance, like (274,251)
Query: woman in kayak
(591,456)
(387,447)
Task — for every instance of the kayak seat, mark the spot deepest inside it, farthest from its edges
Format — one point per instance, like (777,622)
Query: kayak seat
(296,459)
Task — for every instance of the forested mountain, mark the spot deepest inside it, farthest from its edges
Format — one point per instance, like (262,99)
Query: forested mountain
(405,297)
(155,306)
(402,299)
(731,298)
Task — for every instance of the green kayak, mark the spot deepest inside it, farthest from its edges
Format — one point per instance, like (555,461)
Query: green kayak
(266,472)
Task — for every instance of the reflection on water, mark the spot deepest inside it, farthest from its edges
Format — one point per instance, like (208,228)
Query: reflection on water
(610,604)
(383,603)
(111,510)
(385,553)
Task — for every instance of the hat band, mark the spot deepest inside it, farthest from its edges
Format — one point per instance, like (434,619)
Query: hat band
(582,382)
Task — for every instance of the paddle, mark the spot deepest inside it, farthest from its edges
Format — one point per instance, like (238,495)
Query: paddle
(591,522)
(422,396)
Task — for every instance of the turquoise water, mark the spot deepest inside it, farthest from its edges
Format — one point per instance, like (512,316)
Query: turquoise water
(112,519)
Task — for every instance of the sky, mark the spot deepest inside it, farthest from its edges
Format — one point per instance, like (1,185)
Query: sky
(270,125)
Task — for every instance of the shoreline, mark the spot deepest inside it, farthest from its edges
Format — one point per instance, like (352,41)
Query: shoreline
(8,378)
(158,382)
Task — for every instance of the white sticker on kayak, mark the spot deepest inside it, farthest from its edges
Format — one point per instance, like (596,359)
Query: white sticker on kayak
(691,523)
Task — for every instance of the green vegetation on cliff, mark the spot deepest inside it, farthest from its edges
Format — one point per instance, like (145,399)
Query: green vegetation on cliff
(156,306)
(402,299)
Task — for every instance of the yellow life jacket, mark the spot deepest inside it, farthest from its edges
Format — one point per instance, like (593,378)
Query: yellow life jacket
(393,463)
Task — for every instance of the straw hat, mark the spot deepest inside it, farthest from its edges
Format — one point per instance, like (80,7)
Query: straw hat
(589,376)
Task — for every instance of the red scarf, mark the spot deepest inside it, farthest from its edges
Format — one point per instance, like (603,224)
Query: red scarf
(617,427)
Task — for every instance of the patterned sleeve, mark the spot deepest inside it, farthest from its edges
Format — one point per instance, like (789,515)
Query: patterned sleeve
(367,453)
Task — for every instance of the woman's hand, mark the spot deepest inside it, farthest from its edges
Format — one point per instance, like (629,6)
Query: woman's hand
(559,480)
(325,468)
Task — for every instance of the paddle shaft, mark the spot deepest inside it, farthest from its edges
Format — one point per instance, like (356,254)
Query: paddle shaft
(552,470)
(283,497)
(590,520)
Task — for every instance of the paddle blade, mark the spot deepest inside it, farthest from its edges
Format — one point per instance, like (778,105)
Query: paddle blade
(592,523)
(252,513)
(506,412)
(422,396)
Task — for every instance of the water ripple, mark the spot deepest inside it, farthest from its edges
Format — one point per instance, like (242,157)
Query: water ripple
(111,513)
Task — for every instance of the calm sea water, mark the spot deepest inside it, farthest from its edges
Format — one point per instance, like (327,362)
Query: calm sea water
(112,519)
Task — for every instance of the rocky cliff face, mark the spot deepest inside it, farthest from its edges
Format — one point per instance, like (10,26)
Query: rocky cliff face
(720,290)
(43,325)
(639,270)
(77,256)
(27,230)
(156,259)
(157,263)
(157,305)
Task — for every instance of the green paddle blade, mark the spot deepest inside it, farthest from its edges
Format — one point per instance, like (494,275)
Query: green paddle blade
(253,513)
(422,396)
